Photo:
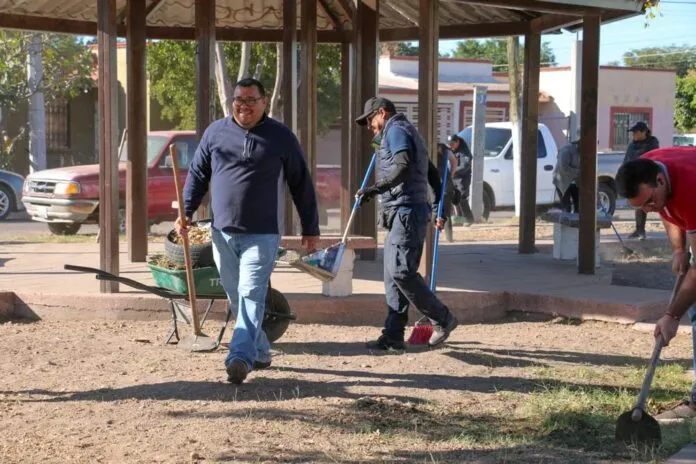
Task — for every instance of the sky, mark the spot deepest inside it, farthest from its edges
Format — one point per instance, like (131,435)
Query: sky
(674,25)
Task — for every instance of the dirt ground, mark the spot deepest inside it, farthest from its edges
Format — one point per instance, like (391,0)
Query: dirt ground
(98,391)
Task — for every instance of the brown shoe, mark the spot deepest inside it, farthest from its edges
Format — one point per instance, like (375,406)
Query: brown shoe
(682,411)
(237,371)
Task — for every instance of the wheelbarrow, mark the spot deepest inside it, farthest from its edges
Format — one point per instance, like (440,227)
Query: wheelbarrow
(171,285)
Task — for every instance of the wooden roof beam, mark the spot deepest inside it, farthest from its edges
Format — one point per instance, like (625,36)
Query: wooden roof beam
(470,31)
(399,11)
(547,23)
(335,19)
(151,8)
(534,5)
(230,34)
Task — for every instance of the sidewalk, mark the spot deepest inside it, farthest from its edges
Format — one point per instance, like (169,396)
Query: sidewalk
(479,281)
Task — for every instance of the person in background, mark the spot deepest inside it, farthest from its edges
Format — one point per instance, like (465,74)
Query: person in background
(402,183)
(643,142)
(241,158)
(566,175)
(444,154)
(462,175)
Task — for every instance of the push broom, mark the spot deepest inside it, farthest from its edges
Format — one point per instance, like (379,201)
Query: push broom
(423,328)
(324,264)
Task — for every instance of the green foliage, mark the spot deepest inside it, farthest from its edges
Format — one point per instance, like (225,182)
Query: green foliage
(685,108)
(175,90)
(496,51)
(680,57)
(67,67)
(67,70)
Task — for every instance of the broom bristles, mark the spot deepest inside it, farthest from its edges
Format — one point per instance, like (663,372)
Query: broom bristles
(421,334)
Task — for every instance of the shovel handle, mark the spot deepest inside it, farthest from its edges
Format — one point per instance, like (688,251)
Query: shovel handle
(659,343)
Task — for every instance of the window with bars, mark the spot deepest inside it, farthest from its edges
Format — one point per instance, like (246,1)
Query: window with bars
(622,120)
(57,125)
(493,114)
(444,114)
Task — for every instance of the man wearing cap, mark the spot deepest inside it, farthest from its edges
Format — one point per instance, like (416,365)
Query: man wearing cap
(643,142)
(462,175)
(404,174)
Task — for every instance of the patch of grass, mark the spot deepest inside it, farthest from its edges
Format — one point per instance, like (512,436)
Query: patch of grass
(77,238)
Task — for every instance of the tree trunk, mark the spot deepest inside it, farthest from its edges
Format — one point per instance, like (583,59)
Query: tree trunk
(258,72)
(515,78)
(244,61)
(37,110)
(276,107)
(222,79)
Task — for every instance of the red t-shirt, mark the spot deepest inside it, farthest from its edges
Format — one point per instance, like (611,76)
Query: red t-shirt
(680,207)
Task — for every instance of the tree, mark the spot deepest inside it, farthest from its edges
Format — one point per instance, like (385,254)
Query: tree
(496,51)
(171,66)
(685,108)
(67,69)
(680,57)
(398,49)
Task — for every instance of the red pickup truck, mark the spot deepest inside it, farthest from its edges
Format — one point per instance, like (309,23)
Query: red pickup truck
(65,198)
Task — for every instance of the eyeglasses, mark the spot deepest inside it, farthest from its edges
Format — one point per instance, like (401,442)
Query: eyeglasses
(249,101)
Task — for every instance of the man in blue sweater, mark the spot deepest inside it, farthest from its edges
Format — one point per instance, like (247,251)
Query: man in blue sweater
(405,173)
(240,158)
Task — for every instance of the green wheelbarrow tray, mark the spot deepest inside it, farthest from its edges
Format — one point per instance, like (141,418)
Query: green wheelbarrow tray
(205,279)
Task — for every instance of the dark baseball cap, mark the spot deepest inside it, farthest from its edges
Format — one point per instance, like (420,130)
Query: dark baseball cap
(454,138)
(639,126)
(372,105)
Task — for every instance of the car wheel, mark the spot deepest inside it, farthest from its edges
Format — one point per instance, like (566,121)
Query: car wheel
(487,205)
(64,228)
(606,198)
(6,202)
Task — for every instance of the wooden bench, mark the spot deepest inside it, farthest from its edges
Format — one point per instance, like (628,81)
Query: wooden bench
(566,233)
(342,285)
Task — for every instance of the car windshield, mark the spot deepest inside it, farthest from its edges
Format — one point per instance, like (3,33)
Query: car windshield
(496,139)
(683,140)
(155,143)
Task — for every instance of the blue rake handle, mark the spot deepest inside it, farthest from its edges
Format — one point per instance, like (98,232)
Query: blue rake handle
(356,203)
(440,207)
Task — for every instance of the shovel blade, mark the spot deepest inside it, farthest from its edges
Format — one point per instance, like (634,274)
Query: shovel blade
(198,343)
(644,431)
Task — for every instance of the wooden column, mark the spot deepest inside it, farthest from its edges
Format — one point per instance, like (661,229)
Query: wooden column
(588,145)
(289,90)
(307,108)
(136,126)
(530,123)
(205,36)
(205,82)
(108,128)
(365,45)
(347,118)
(427,100)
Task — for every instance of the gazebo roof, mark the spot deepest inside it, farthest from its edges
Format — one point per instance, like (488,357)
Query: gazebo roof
(398,18)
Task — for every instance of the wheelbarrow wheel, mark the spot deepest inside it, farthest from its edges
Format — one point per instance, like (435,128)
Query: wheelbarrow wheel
(278,314)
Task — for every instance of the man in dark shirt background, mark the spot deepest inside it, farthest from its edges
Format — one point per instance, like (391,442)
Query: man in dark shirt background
(643,142)
(240,158)
(462,175)
(403,179)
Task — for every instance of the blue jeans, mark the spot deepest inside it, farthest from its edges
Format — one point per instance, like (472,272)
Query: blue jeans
(403,247)
(245,263)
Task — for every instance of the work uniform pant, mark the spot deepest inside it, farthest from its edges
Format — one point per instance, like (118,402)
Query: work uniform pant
(403,247)
(462,185)
(641,218)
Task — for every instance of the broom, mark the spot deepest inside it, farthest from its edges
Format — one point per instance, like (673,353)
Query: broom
(423,328)
(324,264)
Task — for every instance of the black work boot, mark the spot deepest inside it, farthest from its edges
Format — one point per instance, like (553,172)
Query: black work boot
(384,343)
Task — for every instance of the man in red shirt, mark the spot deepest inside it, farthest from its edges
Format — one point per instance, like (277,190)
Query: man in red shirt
(664,181)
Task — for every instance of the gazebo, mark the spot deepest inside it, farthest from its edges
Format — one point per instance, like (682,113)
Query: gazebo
(358,25)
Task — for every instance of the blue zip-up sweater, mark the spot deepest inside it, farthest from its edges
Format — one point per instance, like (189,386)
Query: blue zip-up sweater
(242,168)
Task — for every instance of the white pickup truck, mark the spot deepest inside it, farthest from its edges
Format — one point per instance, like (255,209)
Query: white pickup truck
(498,183)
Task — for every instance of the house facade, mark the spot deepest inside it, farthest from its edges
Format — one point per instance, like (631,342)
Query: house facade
(626,95)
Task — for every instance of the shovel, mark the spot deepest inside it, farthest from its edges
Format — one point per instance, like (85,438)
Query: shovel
(198,341)
(636,425)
